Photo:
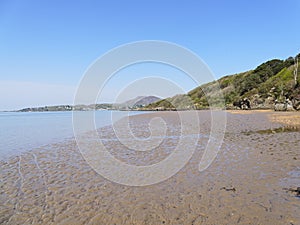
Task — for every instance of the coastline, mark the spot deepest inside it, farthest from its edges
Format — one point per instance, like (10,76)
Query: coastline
(54,185)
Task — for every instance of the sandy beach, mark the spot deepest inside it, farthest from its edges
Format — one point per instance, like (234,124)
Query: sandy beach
(248,182)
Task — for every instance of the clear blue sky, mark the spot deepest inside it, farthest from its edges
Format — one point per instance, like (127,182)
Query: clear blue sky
(47,45)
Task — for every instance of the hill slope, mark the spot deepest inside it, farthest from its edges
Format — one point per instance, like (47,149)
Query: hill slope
(137,102)
(272,81)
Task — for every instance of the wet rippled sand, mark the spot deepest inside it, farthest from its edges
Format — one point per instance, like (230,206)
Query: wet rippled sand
(244,185)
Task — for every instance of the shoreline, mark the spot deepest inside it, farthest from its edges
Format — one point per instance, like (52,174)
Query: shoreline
(289,118)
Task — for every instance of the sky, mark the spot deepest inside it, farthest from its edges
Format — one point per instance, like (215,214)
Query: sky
(47,46)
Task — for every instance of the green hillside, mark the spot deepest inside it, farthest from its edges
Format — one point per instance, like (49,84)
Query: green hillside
(269,82)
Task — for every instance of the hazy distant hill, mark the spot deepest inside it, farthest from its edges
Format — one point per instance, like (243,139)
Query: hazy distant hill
(272,81)
(135,103)
(138,102)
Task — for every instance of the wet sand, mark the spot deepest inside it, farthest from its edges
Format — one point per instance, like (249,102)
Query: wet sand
(246,184)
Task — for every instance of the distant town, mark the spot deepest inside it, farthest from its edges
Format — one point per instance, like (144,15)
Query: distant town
(137,103)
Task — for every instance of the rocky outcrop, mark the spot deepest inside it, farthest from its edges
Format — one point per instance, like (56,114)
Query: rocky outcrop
(259,102)
(287,105)
(242,104)
(296,103)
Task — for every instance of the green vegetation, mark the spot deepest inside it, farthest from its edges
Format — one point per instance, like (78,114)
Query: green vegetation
(270,81)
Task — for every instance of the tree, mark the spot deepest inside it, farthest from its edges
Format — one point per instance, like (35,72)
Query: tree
(296,71)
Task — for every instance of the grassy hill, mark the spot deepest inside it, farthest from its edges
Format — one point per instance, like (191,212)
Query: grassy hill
(269,82)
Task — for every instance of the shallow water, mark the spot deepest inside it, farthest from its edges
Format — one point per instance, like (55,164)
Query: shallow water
(23,131)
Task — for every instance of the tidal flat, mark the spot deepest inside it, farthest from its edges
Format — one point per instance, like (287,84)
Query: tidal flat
(247,183)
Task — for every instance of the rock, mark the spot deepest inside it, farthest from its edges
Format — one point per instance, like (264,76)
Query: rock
(280,106)
(296,103)
(242,104)
(295,98)
(287,105)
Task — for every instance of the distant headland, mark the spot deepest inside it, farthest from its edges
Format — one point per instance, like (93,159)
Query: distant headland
(137,103)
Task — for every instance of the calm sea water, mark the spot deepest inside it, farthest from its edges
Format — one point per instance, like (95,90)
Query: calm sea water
(21,132)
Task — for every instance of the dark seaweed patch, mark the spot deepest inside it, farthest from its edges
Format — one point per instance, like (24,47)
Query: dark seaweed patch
(274,130)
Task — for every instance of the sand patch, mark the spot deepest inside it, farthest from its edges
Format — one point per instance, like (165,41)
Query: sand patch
(288,118)
(249,111)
